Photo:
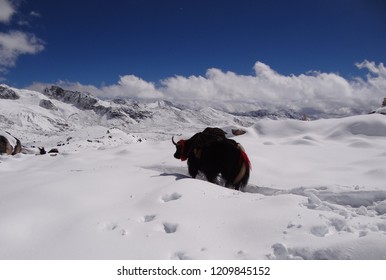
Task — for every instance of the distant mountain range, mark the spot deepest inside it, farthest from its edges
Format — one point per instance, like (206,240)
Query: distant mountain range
(58,110)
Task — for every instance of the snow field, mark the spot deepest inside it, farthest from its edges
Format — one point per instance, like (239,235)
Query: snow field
(316,191)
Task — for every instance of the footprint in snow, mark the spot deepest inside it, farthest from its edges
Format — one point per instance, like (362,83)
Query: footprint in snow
(124,232)
(180,256)
(171,197)
(107,226)
(148,218)
(330,226)
(170,227)
(111,226)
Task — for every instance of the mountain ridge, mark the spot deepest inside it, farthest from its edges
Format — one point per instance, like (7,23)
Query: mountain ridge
(56,110)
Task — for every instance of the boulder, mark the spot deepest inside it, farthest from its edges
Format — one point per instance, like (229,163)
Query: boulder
(47,104)
(7,93)
(8,144)
(238,131)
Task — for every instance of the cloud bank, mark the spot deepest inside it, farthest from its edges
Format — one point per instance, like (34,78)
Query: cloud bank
(128,86)
(15,43)
(322,94)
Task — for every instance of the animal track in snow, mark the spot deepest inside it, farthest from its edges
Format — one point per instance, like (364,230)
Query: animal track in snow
(148,218)
(170,227)
(171,197)
(124,232)
(113,227)
(329,226)
(180,256)
(107,226)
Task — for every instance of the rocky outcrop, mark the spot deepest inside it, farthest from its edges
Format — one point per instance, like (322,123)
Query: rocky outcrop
(8,144)
(121,109)
(47,104)
(238,131)
(7,93)
(275,115)
(81,100)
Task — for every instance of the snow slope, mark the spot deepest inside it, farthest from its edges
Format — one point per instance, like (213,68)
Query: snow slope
(27,119)
(317,191)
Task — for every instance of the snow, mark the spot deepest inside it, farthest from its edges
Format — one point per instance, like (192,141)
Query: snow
(317,191)
(381,110)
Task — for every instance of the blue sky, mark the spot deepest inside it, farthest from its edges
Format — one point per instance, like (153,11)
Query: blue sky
(96,42)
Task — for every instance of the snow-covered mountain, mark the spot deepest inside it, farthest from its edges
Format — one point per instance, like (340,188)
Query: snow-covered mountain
(56,111)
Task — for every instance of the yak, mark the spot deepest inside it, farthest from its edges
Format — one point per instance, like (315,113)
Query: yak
(213,154)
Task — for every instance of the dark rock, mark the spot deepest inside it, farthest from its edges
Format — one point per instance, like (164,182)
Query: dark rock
(7,93)
(81,100)
(119,101)
(5,147)
(5,144)
(47,104)
(85,101)
(114,113)
(54,150)
(238,131)
(109,112)
(281,114)
(137,114)
(101,110)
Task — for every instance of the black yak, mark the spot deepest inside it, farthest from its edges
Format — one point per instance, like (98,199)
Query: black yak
(212,153)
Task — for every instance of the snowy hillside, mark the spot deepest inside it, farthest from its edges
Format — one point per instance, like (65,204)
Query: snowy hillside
(35,114)
(317,188)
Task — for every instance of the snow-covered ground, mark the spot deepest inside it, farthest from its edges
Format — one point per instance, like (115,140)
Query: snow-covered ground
(317,191)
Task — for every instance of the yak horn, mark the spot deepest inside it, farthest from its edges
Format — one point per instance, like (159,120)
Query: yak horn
(173,141)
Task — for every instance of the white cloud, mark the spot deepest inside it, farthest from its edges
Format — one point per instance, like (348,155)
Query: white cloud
(267,89)
(132,86)
(34,14)
(6,11)
(373,68)
(328,94)
(128,86)
(16,43)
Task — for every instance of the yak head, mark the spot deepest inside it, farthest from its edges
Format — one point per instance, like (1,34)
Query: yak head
(181,150)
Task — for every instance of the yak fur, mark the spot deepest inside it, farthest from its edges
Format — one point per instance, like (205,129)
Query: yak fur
(211,153)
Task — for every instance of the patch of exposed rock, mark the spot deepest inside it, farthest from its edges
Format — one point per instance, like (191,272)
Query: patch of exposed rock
(47,104)
(7,93)
(8,144)
(81,100)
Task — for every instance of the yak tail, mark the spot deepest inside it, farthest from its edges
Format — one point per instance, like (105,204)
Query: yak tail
(242,178)
(245,157)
